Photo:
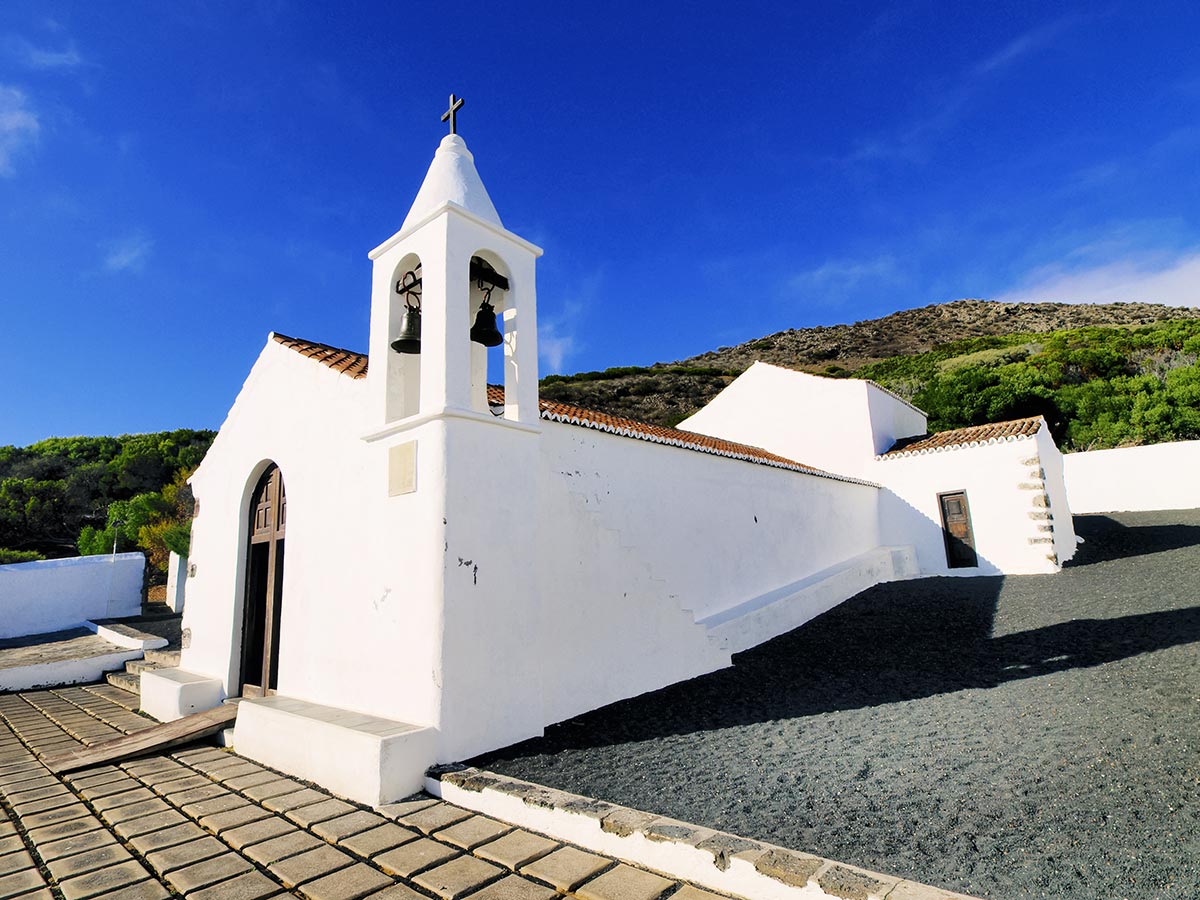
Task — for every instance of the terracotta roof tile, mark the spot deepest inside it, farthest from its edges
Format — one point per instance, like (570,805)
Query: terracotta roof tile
(974,436)
(554,411)
(345,361)
(355,365)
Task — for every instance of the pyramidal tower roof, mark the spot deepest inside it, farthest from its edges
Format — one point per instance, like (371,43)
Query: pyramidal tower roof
(452,177)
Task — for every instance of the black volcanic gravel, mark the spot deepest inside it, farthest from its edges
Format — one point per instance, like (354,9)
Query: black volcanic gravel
(1029,736)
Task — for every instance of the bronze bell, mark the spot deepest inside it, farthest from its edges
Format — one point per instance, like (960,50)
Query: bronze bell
(484,331)
(409,339)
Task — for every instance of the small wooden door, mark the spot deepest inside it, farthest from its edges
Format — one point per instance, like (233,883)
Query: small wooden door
(956,529)
(264,585)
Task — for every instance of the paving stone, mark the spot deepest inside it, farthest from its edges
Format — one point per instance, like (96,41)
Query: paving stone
(310,865)
(48,803)
(294,799)
(153,765)
(348,825)
(61,830)
(168,837)
(625,883)
(169,785)
(405,807)
(21,883)
(266,789)
(566,868)
(78,843)
(240,770)
(103,880)
(241,782)
(150,889)
(385,837)
(10,843)
(319,812)
(54,816)
(414,856)
(196,794)
(282,847)
(223,803)
(472,832)
(233,818)
(186,854)
(433,818)
(15,862)
(397,892)
(251,886)
(88,861)
(211,871)
(160,821)
(96,791)
(40,792)
(42,894)
(257,832)
(351,883)
(458,877)
(112,801)
(516,849)
(514,887)
(152,807)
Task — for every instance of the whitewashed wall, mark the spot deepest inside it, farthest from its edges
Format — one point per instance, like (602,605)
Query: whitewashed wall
(638,541)
(53,594)
(350,632)
(836,424)
(1159,476)
(1004,495)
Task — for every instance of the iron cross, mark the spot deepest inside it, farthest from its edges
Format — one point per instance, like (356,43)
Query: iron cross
(450,114)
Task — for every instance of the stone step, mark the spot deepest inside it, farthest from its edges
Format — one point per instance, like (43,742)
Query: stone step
(124,681)
(165,658)
(138,666)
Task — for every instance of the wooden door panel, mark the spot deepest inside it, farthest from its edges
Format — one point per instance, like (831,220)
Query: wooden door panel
(956,530)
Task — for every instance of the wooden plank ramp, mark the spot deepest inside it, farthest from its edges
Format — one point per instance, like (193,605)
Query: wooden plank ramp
(160,737)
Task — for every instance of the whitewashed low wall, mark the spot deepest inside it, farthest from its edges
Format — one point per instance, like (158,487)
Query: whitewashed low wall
(53,594)
(1160,476)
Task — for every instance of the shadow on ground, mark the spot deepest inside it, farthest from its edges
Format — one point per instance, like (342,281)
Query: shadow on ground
(1106,539)
(893,643)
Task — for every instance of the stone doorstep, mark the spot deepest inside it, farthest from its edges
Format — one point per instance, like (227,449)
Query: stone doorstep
(680,850)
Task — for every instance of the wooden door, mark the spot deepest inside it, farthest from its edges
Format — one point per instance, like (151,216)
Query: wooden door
(264,585)
(956,529)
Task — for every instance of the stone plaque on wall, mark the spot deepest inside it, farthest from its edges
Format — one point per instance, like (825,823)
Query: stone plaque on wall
(402,469)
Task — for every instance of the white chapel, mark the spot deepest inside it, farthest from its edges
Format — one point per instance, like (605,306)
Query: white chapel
(396,564)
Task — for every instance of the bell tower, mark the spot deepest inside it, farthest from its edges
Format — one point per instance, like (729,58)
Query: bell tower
(435,284)
(458,472)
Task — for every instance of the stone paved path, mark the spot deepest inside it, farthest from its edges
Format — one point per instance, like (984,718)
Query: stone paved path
(204,823)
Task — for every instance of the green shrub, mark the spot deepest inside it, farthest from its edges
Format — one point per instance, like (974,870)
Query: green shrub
(18,556)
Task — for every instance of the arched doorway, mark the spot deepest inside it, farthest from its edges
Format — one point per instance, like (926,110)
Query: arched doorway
(264,585)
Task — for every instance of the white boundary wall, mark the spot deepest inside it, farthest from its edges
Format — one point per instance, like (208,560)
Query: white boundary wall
(53,594)
(1160,476)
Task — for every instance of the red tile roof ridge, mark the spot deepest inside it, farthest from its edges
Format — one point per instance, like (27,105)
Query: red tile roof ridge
(972,436)
(346,362)
(355,365)
(554,411)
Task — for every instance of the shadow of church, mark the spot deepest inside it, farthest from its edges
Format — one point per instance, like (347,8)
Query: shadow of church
(893,643)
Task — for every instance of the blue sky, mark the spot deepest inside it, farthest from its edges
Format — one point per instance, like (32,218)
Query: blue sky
(178,179)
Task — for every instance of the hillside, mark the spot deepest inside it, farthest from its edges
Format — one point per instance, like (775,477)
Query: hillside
(669,392)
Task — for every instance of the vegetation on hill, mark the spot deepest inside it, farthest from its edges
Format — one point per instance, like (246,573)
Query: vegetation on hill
(63,496)
(1103,374)
(1097,387)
